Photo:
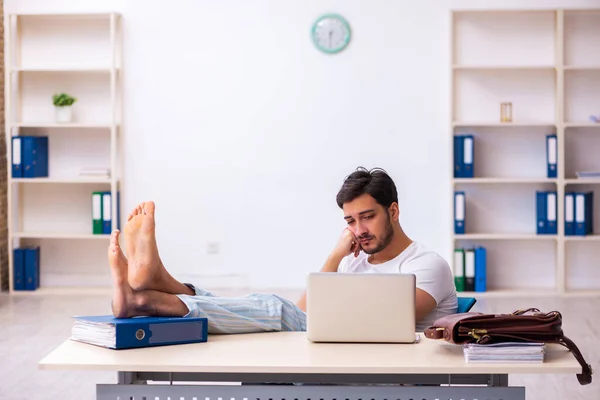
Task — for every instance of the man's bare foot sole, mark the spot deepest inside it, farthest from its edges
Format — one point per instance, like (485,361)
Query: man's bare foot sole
(145,267)
(122,292)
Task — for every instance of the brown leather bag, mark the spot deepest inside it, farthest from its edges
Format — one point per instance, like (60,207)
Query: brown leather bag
(529,325)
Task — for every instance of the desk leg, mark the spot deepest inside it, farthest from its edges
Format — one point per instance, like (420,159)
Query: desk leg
(499,380)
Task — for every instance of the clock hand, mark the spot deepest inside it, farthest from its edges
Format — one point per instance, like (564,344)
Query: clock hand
(330,34)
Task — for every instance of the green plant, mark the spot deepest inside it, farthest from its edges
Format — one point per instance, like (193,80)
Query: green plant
(63,100)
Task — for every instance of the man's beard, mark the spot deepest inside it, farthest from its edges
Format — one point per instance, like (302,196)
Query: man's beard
(385,239)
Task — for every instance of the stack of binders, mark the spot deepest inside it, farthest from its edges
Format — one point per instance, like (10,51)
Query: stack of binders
(102,213)
(29,156)
(464,156)
(579,213)
(546,213)
(470,267)
(26,263)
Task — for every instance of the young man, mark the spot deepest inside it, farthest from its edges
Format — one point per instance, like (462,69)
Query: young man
(373,242)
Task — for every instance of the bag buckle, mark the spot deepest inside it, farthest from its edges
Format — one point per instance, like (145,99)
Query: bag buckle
(476,333)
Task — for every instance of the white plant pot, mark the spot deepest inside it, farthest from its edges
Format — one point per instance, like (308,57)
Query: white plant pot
(63,114)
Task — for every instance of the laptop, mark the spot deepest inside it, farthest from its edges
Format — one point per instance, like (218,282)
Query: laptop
(361,308)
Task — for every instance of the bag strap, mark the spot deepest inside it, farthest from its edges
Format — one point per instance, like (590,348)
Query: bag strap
(585,377)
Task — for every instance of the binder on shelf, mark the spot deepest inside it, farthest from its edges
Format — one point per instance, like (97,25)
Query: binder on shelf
(459,212)
(584,214)
(19,269)
(34,156)
(458,156)
(480,269)
(552,155)
(468,156)
(107,213)
(32,268)
(469,270)
(551,227)
(17,169)
(569,214)
(459,270)
(541,212)
(123,333)
(97,215)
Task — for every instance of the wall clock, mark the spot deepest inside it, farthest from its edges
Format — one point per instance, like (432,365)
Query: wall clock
(331,33)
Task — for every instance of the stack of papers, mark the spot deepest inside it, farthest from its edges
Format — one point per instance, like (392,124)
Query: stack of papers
(99,172)
(588,174)
(528,353)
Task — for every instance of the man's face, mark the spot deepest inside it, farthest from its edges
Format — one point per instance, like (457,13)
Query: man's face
(370,223)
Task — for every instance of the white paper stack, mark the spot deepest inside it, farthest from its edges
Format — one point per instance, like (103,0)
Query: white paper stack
(95,172)
(588,174)
(528,353)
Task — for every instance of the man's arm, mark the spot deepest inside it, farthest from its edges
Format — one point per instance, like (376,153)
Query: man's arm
(424,304)
(346,246)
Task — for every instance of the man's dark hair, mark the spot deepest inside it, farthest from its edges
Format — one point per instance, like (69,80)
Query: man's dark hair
(375,182)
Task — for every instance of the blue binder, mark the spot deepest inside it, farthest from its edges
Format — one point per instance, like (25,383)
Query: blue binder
(107,225)
(34,151)
(569,213)
(584,213)
(551,155)
(459,212)
(468,156)
(541,212)
(17,158)
(32,268)
(18,269)
(480,269)
(551,213)
(458,156)
(142,331)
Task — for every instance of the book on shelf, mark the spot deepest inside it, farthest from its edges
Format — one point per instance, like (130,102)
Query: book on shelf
(507,352)
(552,155)
(126,333)
(29,157)
(470,266)
(546,212)
(26,268)
(464,147)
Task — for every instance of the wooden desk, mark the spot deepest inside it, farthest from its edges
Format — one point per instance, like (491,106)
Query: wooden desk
(288,357)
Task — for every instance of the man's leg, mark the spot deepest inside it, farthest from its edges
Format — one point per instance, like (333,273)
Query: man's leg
(252,313)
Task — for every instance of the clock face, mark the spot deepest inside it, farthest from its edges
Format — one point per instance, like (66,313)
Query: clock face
(331,33)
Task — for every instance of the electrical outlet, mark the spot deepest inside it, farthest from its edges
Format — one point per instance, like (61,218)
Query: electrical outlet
(212,248)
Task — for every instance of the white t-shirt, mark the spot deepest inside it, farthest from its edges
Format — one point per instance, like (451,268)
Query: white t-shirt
(432,272)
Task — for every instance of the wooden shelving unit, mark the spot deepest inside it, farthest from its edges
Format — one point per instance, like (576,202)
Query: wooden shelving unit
(547,64)
(79,54)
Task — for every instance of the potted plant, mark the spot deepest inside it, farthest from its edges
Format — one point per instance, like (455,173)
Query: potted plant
(62,107)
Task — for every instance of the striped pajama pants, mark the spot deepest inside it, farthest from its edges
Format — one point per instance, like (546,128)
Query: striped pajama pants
(252,313)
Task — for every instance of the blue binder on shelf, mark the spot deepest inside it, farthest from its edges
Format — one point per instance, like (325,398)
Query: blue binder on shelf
(551,213)
(34,156)
(552,155)
(107,212)
(16,155)
(569,214)
(18,269)
(584,213)
(139,331)
(468,156)
(458,156)
(459,212)
(480,269)
(541,213)
(32,268)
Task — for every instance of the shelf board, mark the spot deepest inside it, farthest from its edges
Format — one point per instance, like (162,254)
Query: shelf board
(582,181)
(504,180)
(62,126)
(582,125)
(59,235)
(504,236)
(586,238)
(582,68)
(61,180)
(65,15)
(503,67)
(534,292)
(503,124)
(95,70)
(69,291)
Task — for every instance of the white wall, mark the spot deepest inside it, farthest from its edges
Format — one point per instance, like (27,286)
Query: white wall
(242,132)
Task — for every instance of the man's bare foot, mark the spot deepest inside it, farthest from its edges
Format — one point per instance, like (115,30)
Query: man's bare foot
(145,267)
(122,294)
